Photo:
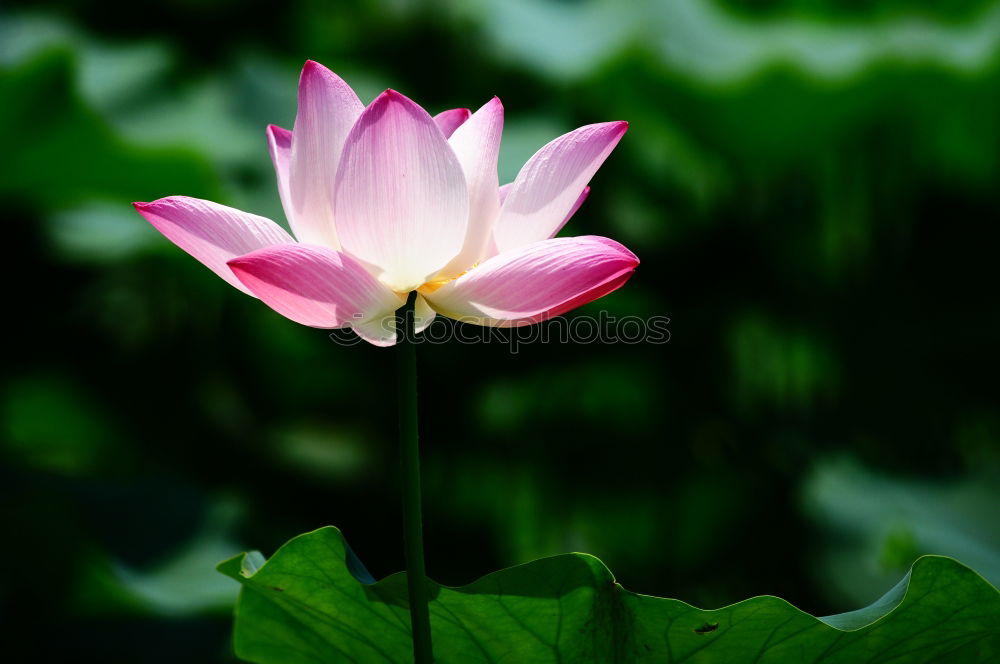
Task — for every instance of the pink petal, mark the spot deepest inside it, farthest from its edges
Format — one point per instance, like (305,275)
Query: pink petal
(449,121)
(548,186)
(210,232)
(536,282)
(477,146)
(576,206)
(400,198)
(328,108)
(314,286)
(279,144)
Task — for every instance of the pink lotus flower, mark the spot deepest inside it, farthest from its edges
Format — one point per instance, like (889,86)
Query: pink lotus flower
(385,200)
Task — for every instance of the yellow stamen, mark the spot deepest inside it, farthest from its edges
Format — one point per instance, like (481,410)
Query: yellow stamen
(435,284)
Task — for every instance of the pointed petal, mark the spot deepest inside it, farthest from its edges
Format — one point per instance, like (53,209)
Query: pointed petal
(400,198)
(314,286)
(210,232)
(505,189)
(547,187)
(328,108)
(279,144)
(423,315)
(450,120)
(536,282)
(576,206)
(477,146)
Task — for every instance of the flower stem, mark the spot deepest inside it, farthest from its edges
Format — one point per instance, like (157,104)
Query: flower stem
(406,368)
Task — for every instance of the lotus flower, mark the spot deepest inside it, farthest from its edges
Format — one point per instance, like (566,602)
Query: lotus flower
(385,199)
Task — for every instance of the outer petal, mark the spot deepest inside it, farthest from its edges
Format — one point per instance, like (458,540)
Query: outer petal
(548,186)
(314,286)
(450,120)
(328,108)
(505,189)
(477,146)
(423,315)
(279,144)
(210,232)
(377,331)
(576,206)
(536,282)
(400,197)
(382,331)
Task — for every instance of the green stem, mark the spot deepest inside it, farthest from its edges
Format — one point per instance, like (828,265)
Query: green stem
(406,365)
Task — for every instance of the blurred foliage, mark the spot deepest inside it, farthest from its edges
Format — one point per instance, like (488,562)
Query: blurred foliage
(878,524)
(811,187)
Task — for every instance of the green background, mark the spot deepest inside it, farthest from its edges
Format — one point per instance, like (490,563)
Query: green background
(812,188)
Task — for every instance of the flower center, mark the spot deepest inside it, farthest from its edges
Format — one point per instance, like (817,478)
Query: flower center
(438,282)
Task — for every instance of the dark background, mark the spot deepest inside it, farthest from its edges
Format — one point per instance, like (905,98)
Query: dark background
(812,188)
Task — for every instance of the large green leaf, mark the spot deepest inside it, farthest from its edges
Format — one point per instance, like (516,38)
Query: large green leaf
(313,602)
